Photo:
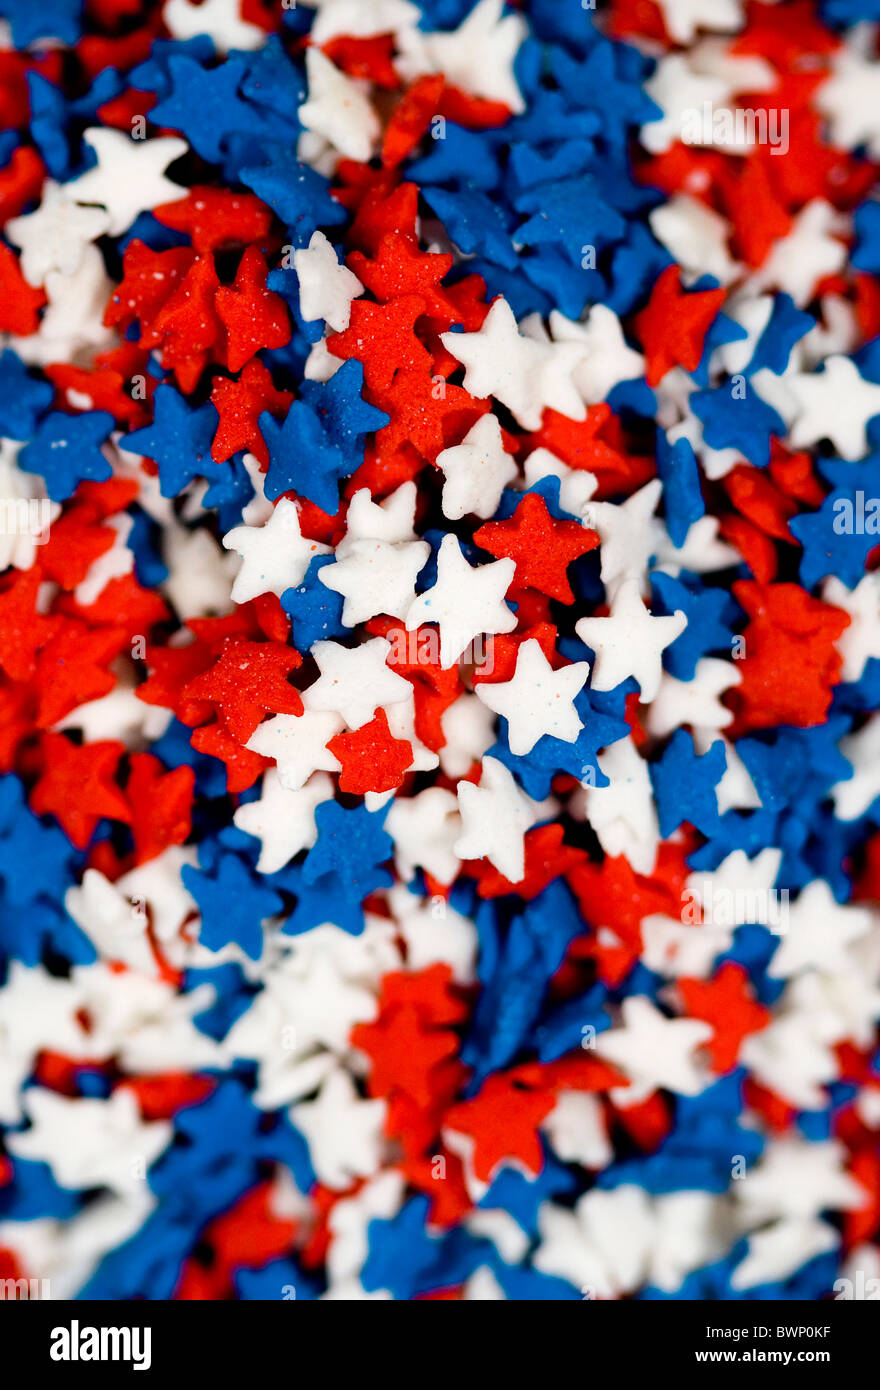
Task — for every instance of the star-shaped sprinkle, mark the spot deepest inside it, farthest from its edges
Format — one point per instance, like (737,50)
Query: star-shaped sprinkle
(606,359)
(834,404)
(424,829)
(726,1003)
(297,744)
(283,820)
(239,404)
(254,317)
(525,375)
(478,56)
(537,700)
(343,1132)
(178,440)
(275,556)
(541,546)
(53,236)
(860,642)
(355,681)
(338,109)
(233,905)
(477,471)
(465,601)
(628,535)
(383,337)
(326,288)
(351,845)
(23,629)
(77,786)
(673,325)
(128,177)
(248,680)
(653,1050)
(376,577)
(372,759)
(91,1143)
(204,104)
(495,817)
(629,642)
(66,449)
(303,458)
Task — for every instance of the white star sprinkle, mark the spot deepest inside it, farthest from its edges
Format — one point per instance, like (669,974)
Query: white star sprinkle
(630,642)
(537,700)
(275,556)
(297,744)
(495,817)
(355,681)
(283,820)
(655,1051)
(53,236)
(477,471)
(525,375)
(326,288)
(465,602)
(129,176)
(338,109)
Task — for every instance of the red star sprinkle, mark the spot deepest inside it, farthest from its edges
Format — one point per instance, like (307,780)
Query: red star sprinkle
(372,759)
(148,280)
(242,766)
(402,268)
(23,630)
(425,413)
(383,338)
(759,218)
(726,1002)
(77,786)
(542,547)
(673,325)
(503,1121)
(216,218)
(239,404)
(188,324)
(791,661)
(72,669)
(383,208)
(248,681)
(161,805)
(411,118)
(405,1053)
(19,301)
(254,317)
